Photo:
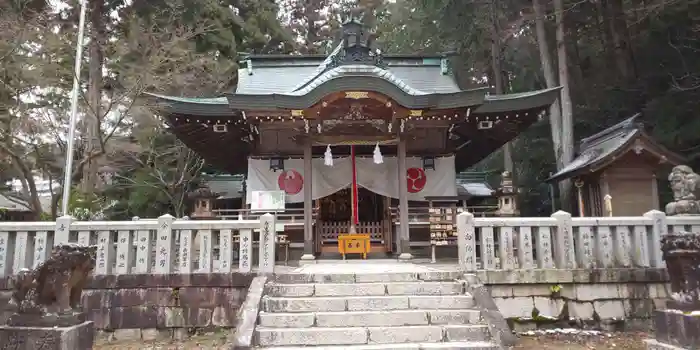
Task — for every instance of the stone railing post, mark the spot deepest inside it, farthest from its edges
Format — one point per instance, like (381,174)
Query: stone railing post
(206,245)
(143,250)
(268,239)
(164,245)
(564,256)
(245,250)
(5,254)
(466,241)
(42,248)
(125,245)
(22,258)
(225,250)
(103,263)
(62,233)
(185,252)
(659,229)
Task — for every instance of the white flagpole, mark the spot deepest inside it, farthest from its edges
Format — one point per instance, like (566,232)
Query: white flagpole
(68,170)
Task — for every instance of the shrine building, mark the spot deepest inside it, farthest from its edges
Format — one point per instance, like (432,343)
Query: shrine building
(359,141)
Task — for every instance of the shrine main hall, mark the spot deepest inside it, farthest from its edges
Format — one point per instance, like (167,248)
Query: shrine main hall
(357,140)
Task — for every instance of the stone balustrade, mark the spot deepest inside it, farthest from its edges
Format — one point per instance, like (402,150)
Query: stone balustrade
(167,245)
(564,242)
(151,246)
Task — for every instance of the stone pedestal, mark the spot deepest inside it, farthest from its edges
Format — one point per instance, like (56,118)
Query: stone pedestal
(675,330)
(77,337)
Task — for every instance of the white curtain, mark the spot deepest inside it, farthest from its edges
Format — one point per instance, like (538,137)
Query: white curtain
(378,178)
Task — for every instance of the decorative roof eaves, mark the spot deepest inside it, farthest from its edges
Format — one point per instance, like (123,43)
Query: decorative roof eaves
(627,125)
(660,150)
(216,107)
(520,101)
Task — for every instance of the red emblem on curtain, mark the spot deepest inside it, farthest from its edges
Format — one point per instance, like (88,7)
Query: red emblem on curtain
(415,177)
(290,181)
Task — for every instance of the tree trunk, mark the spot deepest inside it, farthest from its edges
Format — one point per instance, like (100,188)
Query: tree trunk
(567,125)
(496,66)
(551,80)
(624,59)
(94,96)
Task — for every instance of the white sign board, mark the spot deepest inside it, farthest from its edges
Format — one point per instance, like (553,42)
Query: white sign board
(267,201)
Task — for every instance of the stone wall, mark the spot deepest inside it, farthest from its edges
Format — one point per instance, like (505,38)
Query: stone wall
(607,298)
(153,306)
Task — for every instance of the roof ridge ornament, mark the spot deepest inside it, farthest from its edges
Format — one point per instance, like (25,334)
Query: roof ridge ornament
(357,41)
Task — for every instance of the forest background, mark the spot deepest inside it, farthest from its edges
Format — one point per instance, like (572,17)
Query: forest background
(613,58)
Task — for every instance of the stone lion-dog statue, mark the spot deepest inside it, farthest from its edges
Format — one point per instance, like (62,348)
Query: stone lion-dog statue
(56,285)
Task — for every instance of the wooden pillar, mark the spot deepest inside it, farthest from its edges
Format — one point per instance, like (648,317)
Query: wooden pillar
(654,193)
(404,237)
(308,205)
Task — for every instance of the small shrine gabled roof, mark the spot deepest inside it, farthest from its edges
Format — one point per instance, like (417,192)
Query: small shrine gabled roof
(599,150)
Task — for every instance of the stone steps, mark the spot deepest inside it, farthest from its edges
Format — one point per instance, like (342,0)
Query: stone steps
(476,345)
(366,289)
(366,303)
(374,311)
(369,318)
(370,335)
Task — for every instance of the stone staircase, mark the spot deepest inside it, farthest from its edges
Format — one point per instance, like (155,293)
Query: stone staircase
(378,311)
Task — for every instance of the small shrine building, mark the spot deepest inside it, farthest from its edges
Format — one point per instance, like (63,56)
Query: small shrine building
(616,171)
(355,138)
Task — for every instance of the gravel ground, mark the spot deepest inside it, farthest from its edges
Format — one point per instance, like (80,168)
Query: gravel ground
(617,341)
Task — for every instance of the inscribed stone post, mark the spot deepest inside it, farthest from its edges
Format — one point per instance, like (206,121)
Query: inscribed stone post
(245,246)
(22,252)
(84,238)
(42,247)
(525,258)
(143,251)
(466,241)
(103,263)
(585,247)
(62,232)
(640,244)
(544,247)
(505,248)
(564,253)
(267,243)
(488,262)
(4,254)
(604,247)
(125,243)
(185,253)
(623,246)
(164,244)
(225,250)
(658,230)
(206,245)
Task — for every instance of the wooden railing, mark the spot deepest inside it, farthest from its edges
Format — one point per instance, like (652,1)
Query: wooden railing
(421,215)
(167,245)
(291,215)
